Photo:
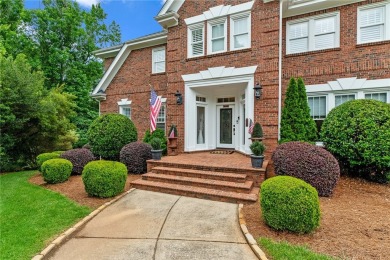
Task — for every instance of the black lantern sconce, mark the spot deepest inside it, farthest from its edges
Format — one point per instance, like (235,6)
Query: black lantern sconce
(258,91)
(179,98)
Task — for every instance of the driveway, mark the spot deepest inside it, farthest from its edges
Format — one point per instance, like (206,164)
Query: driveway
(151,225)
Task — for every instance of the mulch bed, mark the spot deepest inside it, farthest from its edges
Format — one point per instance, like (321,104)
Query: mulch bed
(355,222)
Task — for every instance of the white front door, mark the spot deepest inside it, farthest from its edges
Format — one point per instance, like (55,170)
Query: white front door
(225,126)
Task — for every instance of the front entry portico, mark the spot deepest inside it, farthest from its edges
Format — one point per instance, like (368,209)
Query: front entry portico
(218,104)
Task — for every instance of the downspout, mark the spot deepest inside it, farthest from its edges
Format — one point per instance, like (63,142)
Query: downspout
(280,65)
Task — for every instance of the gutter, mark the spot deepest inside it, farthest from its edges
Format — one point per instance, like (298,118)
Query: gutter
(280,65)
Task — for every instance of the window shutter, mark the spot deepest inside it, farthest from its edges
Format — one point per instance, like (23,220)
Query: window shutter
(298,35)
(197,42)
(372,24)
(325,33)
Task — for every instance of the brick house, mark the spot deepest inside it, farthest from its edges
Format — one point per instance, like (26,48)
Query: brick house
(215,52)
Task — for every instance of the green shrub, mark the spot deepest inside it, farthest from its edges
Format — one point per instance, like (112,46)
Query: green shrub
(357,133)
(43,157)
(58,152)
(257,148)
(56,170)
(109,133)
(296,123)
(257,131)
(291,204)
(155,143)
(104,178)
(159,134)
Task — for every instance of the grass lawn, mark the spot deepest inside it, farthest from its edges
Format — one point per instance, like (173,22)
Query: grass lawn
(31,216)
(286,251)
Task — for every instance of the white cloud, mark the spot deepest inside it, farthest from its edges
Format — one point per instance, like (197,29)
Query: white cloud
(88,3)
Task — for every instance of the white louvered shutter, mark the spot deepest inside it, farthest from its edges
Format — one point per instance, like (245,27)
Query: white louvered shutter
(197,42)
(372,23)
(325,33)
(298,37)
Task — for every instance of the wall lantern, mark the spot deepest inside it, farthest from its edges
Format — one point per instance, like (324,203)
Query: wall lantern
(179,98)
(258,90)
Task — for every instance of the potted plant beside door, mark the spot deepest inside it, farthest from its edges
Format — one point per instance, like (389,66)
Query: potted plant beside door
(257,134)
(156,148)
(257,157)
(172,137)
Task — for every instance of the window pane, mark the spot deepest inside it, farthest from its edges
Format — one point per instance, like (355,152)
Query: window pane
(159,55)
(126,111)
(159,66)
(217,31)
(299,45)
(241,26)
(241,41)
(200,125)
(217,45)
(317,107)
(343,98)
(325,25)
(372,33)
(161,115)
(197,35)
(325,41)
(372,16)
(298,30)
(377,96)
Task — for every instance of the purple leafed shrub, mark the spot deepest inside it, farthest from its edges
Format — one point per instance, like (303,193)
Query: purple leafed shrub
(134,156)
(308,162)
(79,158)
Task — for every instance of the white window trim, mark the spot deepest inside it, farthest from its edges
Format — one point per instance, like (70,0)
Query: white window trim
(311,20)
(326,104)
(210,24)
(124,103)
(378,92)
(386,29)
(153,61)
(189,39)
(233,18)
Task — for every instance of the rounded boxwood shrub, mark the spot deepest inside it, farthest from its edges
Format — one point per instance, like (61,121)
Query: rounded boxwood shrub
(79,158)
(134,156)
(109,133)
(56,170)
(288,203)
(43,157)
(358,134)
(104,178)
(308,162)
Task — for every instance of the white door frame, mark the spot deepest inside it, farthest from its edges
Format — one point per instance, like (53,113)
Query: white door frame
(225,106)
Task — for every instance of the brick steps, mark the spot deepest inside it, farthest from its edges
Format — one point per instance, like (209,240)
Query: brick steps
(211,175)
(243,187)
(197,192)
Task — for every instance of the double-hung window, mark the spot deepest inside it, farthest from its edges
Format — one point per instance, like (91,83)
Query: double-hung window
(373,23)
(317,106)
(158,60)
(240,31)
(125,107)
(340,99)
(313,33)
(196,40)
(377,96)
(217,36)
(161,118)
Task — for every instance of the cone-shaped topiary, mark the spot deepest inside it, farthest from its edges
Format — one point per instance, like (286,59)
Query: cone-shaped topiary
(296,123)
(358,134)
(109,133)
(291,204)
(257,131)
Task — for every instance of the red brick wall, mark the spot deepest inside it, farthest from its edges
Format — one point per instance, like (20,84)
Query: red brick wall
(133,82)
(371,61)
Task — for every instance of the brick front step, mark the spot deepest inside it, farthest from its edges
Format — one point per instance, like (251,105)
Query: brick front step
(197,192)
(242,187)
(222,176)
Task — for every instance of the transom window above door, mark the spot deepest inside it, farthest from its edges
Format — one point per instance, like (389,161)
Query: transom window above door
(226,100)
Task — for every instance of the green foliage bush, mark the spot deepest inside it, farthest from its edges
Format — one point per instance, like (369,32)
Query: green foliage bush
(257,131)
(56,170)
(104,179)
(109,133)
(43,157)
(357,133)
(296,123)
(134,156)
(159,134)
(155,143)
(257,148)
(290,204)
(308,162)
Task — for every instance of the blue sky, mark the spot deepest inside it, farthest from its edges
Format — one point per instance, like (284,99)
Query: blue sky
(135,17)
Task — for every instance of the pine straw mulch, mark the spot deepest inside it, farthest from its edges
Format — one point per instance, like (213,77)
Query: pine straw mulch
(355,222)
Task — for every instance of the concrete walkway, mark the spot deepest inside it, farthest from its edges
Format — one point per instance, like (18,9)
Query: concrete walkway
(151,225)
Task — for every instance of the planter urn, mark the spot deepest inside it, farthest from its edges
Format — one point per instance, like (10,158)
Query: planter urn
(257,161)
(156,154)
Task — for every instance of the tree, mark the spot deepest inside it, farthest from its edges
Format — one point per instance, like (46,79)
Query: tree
(33,119)
(296,123)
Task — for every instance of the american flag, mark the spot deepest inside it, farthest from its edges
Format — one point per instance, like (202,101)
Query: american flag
(155,105)
(251,125)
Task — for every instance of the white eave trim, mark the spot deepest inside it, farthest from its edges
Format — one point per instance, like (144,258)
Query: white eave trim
(345,84)
(107,52)
(171,6)
(220,11)
(168,20)
(140,43)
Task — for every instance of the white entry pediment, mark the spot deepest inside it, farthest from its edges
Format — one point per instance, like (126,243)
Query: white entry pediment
(219,72)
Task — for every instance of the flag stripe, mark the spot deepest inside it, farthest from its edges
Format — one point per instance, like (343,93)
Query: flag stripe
(155,105)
